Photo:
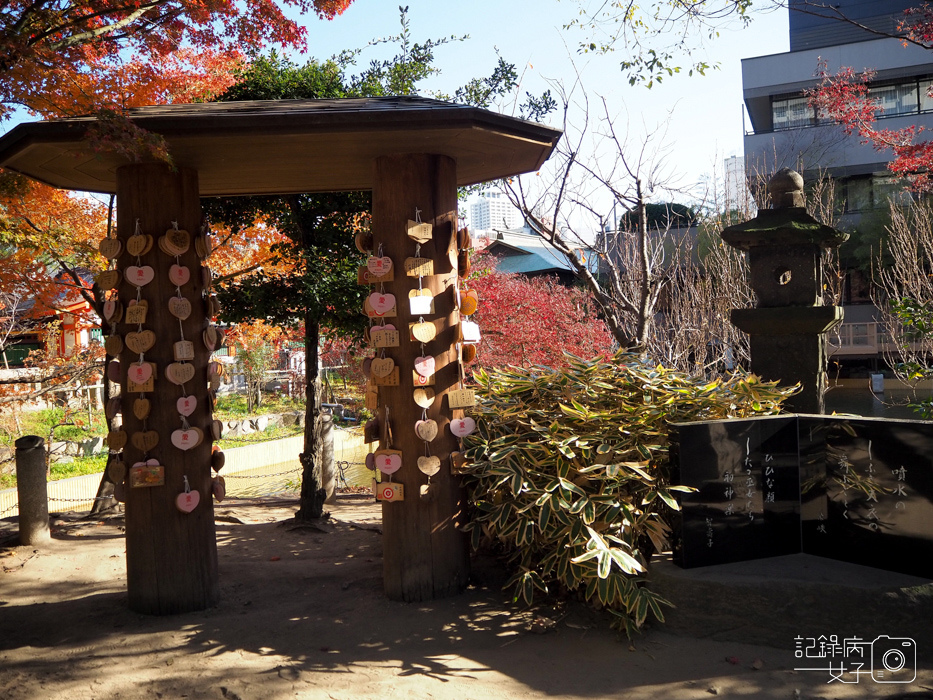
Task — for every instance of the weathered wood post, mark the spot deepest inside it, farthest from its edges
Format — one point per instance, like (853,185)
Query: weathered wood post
(425,554)
(171,556)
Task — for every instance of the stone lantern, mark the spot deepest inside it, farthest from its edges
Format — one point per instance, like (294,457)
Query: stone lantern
(787,330)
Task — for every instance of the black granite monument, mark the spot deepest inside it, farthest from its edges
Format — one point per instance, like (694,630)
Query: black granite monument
(854,489)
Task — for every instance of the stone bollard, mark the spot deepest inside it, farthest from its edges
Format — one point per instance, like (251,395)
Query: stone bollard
(328,466)
(32,490)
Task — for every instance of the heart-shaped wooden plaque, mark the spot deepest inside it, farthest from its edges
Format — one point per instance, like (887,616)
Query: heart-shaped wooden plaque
(179,275)
(429,465)
(177,241)
(179,307)
(145,441)
(113,407)
(140,341)
(140,372)
(424,397)
(188,501)
(140,276)
(109,279)
(461,427)
(116,471)
(379,266)
(217,459)
(425,365)
(424,331)
(180,372)
(388,461)
(219,488)
(113,345)
(426,429)
(141,408)
(138,244)
(186,405)
(110,248)
(186,439)
(381,304)
(469,300)
(382,366)
(116,440)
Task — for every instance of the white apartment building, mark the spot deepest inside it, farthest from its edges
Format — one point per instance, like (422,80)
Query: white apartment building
(493,211)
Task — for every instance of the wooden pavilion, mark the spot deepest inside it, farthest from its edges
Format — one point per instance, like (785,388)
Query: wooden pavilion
(412,153)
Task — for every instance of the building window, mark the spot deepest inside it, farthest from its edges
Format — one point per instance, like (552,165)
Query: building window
(895,99)
(859,333)
(926,101)
(857,193)
(792,113)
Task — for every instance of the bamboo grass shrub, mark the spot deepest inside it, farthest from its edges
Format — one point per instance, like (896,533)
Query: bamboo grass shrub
(568,469)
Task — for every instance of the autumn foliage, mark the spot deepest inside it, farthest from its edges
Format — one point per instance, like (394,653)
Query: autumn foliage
(73,56)
(534,320)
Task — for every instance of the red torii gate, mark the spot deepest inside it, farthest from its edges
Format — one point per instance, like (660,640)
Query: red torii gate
(412,153)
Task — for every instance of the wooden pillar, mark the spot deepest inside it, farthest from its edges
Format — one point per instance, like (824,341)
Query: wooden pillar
(171,556)
(425,554)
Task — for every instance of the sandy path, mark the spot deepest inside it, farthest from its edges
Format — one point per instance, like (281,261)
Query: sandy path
(302,616)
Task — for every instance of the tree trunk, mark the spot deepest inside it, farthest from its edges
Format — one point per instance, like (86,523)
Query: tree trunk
(104,500)
(313,494)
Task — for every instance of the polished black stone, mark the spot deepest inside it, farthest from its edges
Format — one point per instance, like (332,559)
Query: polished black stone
(868,492)
(855,489)
(747,501)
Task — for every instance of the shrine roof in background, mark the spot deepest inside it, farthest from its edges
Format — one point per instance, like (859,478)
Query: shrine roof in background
(286,146)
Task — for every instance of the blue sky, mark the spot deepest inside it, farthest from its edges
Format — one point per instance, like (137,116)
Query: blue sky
(701,117)
(703,114)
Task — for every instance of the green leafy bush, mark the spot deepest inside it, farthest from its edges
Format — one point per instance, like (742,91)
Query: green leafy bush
(568,469)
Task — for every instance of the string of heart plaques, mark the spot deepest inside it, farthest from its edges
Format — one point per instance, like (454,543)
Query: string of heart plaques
(469,336)
(141,374)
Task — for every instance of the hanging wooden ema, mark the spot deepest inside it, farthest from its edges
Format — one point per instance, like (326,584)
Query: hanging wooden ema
(426,429)
(467,303)
(183,349)
(141,375)
(388,461)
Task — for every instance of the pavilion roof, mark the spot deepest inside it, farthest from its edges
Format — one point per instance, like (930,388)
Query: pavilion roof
(286,146)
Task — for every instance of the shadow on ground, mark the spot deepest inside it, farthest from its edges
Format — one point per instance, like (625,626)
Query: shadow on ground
(302,614)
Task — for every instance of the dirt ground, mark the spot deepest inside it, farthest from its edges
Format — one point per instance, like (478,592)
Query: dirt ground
(302,615)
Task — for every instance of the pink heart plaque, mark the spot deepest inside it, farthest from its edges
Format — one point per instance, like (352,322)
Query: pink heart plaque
(179,275)
(461,427)
(139,276)
(389,463)
(381,303)
(140,372)
(185,439)
(187,502)
(110,307)
(186,405)
(424,366)
(385,327)
(379,266)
